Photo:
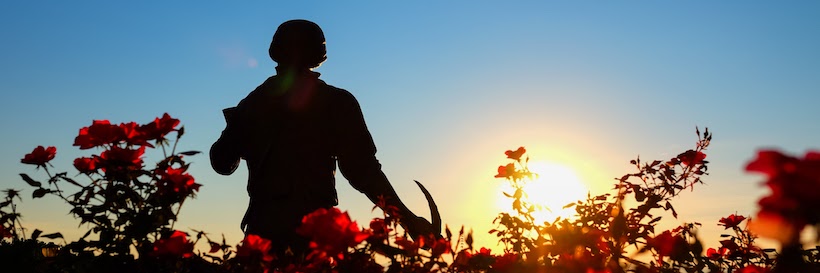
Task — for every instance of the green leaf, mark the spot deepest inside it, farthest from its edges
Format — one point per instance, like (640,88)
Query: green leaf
(30,181)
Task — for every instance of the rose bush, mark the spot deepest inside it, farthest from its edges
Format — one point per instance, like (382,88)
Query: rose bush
(130,209)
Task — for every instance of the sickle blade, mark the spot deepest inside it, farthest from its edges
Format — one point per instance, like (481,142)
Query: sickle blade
(436,217)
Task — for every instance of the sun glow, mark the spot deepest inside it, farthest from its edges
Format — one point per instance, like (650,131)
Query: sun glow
(554,186)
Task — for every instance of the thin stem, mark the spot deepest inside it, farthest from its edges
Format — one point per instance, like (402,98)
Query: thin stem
(176,214)
(17,219)
(174,149)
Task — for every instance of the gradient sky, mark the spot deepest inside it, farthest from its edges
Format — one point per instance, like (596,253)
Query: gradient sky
(446,87)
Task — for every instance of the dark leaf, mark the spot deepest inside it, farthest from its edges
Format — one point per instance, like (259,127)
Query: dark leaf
(86,234)
(30,181)
(69,180)
(36,234)
(640,195)
(469,239)
(180,132)
(669,207)
(121,221)
(53,235)
(190,153)
(77,211)
(39,193)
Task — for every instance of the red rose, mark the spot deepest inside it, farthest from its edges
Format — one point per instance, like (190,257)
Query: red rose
(731,221)
(255,246)
(410,248)
(515,155)
(691,157)
(772,163)
(753,269)
(176,245)
(380,230)
(668,245)
(86,165)
(437,246)
(713,254)
(119,159)
(177,182)
(4,233)
(794,184)
(133,135)
(506,171)
(40,156)
(157,129)
(101,132)
(331,231)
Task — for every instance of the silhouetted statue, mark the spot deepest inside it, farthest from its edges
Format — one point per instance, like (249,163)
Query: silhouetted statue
(292,130)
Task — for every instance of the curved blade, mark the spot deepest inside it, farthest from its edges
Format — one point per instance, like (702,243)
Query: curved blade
(436,217)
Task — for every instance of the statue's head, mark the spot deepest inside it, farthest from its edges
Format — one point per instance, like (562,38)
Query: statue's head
(299,44)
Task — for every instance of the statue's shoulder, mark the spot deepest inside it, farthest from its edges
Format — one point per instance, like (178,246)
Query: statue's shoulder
(338,94)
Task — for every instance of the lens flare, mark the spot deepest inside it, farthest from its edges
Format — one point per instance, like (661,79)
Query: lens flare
(555,186)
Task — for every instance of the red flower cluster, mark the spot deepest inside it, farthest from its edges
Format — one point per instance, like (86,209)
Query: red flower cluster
(469,261)
(40,156)
(505,263)
(102,132)
(731,221)
(176,182)
(254,246)
(331,231)
(795,190)
(176,245)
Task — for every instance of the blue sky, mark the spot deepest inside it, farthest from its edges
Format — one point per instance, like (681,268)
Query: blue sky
(446,88)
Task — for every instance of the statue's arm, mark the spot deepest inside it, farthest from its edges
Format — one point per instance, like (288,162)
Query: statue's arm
(225,152)
(358,164)
(357,157)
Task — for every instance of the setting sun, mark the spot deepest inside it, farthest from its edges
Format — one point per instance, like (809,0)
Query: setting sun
(554,186)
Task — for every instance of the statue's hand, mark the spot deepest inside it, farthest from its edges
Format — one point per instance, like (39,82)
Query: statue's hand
(418,226)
